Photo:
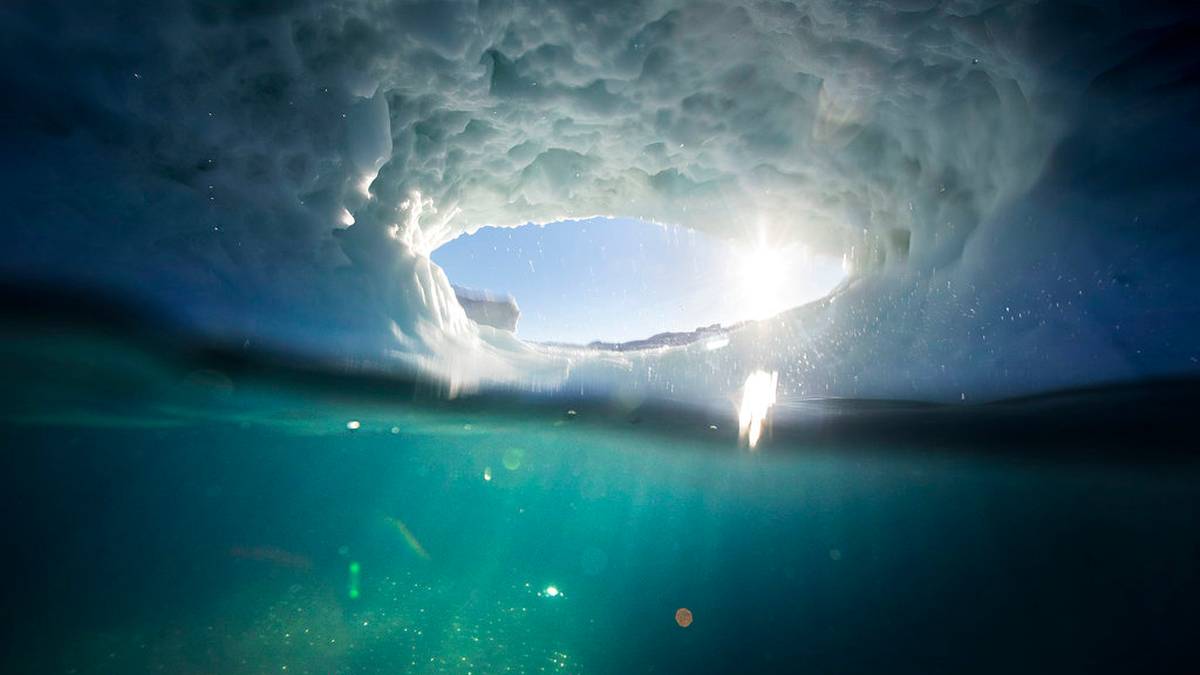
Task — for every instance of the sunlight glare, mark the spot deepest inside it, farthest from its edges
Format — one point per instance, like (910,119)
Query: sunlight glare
(761,274)
(758,395)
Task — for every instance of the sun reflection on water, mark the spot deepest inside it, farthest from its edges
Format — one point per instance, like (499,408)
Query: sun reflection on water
(758,395)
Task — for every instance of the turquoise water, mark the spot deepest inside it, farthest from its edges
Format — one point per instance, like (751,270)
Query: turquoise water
(170,515)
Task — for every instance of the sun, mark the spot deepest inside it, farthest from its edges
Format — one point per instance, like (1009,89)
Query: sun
(761,273)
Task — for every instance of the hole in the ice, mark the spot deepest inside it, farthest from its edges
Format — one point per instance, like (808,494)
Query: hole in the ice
(616,280)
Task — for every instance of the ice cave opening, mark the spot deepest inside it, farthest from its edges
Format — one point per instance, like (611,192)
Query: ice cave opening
(623,281)
(1014,197)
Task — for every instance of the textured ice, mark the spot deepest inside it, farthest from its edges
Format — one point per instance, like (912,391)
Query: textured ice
(1010,183)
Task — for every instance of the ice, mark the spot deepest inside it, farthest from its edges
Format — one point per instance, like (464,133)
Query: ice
(1011,187)
(489,309)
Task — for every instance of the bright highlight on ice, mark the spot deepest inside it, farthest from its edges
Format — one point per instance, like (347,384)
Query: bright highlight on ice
(758,395)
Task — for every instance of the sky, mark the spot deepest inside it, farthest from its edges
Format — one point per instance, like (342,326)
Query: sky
(623,279)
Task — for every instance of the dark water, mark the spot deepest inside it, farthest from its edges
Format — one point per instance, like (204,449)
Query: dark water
(192,516)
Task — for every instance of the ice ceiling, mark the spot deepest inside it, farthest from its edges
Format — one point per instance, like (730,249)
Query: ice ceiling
(1010,179)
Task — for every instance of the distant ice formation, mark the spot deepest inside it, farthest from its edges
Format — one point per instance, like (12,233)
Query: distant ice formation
(489,309)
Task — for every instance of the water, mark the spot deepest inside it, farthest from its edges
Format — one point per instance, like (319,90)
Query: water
(172,511)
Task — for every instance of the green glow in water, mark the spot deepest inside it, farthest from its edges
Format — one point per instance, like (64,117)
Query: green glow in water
(355,569)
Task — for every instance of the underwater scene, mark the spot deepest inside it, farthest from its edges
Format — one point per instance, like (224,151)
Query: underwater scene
(206,512)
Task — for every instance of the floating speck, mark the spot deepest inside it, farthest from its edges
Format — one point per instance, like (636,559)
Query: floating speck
(512,458)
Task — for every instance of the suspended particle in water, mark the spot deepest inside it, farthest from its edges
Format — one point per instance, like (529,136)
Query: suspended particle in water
(395,430)
(353,424)
(487,473)
(683,617)
(512,458)
(409,538)
(551,591)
